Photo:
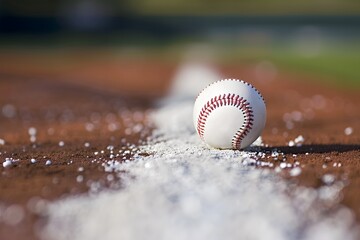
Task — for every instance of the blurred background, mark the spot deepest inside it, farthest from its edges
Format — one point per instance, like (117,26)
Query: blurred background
(89,40)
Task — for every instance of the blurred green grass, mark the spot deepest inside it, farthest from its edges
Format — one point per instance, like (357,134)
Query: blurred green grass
(336,64)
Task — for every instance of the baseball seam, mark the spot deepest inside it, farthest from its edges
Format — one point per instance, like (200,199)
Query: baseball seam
(228,100)
(235,80)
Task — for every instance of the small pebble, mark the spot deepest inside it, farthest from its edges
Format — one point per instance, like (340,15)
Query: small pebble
(32,131)
(328,179)
(283,165)
(32,138)
(48,162)
(299,140)
(7,163)
(295,172)
(79,178)
(348,131)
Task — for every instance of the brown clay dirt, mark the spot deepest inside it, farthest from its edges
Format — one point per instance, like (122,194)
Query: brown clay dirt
(79,100)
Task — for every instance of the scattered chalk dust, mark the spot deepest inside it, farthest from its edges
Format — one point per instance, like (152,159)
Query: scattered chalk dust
(184,190)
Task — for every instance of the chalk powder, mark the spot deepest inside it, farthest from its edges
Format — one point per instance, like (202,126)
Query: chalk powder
(184,190)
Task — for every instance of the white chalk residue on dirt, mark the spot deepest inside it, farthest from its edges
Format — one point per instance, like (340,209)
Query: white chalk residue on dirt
(184,190)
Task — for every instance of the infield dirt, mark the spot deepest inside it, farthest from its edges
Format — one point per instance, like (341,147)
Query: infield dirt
(83,109)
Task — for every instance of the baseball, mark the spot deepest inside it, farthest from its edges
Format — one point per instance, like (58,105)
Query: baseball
(229,114)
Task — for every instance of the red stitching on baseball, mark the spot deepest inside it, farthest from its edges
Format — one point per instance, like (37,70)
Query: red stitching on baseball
(245,128)
(236,80)
(228,100)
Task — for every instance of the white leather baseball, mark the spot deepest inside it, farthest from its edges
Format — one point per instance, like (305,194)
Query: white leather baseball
(229,114)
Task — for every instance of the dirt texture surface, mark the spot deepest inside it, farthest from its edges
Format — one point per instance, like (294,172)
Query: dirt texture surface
(71,117)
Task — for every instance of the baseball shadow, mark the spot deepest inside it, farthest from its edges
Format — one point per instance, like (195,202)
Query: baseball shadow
(313,148)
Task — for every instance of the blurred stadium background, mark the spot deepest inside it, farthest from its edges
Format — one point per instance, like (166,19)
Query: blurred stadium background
(312,35)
